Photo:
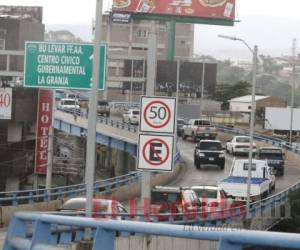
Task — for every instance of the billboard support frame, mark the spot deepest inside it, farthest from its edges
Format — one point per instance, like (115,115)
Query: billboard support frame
(184,19)
(171,40)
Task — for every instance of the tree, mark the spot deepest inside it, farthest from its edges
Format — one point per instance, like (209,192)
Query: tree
(225,92)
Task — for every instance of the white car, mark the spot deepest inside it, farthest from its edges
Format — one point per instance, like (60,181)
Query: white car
(240,145)
(131,116)
(212,196)
(100,207)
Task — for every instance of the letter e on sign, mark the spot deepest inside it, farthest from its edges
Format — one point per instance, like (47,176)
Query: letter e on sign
(155,152)
(158,114)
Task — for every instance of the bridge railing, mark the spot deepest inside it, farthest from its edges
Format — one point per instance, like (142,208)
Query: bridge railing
(44,231)
(45,195)
(103,120)
(16,198)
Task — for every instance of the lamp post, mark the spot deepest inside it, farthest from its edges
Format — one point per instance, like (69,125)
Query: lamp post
(253,107)
(293,90)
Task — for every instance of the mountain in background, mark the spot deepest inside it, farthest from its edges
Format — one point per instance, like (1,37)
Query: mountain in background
(273,35)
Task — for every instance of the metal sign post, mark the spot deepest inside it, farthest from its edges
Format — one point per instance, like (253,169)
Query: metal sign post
(92,118)
(151,79)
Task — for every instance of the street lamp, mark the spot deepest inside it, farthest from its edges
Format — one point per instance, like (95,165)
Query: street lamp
(253,107)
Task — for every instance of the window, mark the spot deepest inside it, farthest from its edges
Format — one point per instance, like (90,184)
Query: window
(253,167)
(2,39)
(142,33)
(2,44)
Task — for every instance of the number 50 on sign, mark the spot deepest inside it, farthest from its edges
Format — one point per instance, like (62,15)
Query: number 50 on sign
(157,114)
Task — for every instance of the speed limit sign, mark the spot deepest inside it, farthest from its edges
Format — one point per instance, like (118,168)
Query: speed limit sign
(157,114)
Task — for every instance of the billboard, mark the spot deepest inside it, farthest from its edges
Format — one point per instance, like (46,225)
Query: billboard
(214,9)
(43,124)
(31,13)
(190,77)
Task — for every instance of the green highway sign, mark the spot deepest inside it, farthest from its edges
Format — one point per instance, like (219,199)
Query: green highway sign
(62,65)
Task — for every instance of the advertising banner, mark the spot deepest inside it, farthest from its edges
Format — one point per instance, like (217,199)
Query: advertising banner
(43,124)
(5,103)
(215,9)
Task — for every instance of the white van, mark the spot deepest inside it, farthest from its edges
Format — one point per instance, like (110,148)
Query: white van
(68,104)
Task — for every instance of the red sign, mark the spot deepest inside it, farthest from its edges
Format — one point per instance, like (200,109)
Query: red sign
(152,152)
(43,124)
(216,9)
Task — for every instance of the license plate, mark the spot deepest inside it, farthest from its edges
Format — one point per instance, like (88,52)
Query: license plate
(206,134)
(211,158)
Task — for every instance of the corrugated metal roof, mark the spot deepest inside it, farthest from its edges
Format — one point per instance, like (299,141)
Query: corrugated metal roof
(248,98)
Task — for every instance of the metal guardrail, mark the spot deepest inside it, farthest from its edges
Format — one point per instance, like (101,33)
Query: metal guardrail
(45,233)
(103,120)
(16,198)
(45,195)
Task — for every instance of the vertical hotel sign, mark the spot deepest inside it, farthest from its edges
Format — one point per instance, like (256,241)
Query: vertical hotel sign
(43,124)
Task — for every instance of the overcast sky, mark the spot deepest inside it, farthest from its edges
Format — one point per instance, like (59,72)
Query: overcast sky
(271,24)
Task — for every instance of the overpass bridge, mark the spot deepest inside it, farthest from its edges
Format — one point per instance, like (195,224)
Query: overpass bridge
(123,137)
(67,122)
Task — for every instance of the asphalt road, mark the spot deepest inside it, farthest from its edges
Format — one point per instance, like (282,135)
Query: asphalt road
(211,175)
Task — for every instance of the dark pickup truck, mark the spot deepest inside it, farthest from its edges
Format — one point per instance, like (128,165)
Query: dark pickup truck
(274,156)
(209,152)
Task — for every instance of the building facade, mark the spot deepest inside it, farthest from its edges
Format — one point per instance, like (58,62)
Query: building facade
(127,48)
(17,131)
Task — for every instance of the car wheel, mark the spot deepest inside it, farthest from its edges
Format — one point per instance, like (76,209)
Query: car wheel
(222,166)
(183,136)
(232,152)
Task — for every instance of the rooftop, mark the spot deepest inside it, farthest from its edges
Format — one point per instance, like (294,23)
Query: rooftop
(248,98)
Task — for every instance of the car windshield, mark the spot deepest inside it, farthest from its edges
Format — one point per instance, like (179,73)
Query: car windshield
(180,122)
(202,122)
(270,155)
(243,139)
(204,193)
(246,166)
(135,112)
(100,103)
(157,197)
(69,102)
(210,146)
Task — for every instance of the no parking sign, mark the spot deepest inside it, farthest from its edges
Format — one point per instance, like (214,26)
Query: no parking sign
(155,152)
(157,114)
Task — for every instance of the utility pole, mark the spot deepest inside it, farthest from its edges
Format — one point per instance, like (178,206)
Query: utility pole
(293,89)
(151,79)
(202,87)
(92,118)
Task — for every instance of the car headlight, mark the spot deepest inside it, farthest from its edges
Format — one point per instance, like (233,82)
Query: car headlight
(222,155)
(201,154)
